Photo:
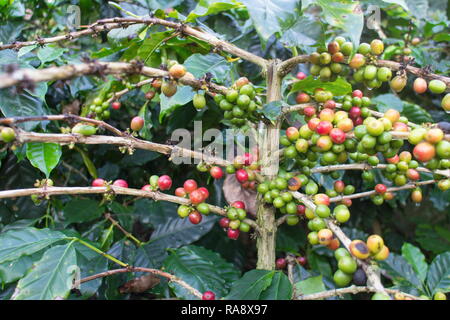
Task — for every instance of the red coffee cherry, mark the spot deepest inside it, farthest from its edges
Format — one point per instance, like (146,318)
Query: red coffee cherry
(208,295)
(116,105)
(233,233)
(216,172)
(281,263)
(380,188)
(224,223)
(238,205)
(99,182)
(190,185)
(196,197)
(137,123)
(180,192)
(195,217)
(164,182)
(205,192)
(120,183)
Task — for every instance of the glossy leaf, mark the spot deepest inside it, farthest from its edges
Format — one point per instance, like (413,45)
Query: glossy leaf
(44,156)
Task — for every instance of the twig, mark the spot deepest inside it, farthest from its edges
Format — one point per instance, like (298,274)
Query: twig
(114,23)
(157,272)
(372,192)
(349,290)
(125,232)
(155,195)
(28,75)
(127,141)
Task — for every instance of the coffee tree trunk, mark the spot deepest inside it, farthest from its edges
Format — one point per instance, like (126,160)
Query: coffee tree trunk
(268,147)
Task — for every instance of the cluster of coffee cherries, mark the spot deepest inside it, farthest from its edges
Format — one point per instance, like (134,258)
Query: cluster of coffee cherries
(99,109)
(245,168)
(197,196)
(327,62)
(215,171)
(239,103)
(435,86)
(281,263)
(430,147)
(234,223)
(278,193)
(347,267)
(7,134)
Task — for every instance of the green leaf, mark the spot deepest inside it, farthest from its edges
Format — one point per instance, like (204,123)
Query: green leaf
(339,87)
(399,2)
(416,259)
(81,210)
(184,95)
(439,274)
(401,271)
(209,7)
(254,284)
(26,241)
(279,289)
(418,8)
(90,263)
(199,65)
(269,15)
(433,238)
(170,231)
(202,269)
(319,264)
(272,110)
(388,101)
(11,271)
(303,31)
(346,15)
(50,53)
(21,105)
(416,114)
(310,285)
(51,277)
(44,156)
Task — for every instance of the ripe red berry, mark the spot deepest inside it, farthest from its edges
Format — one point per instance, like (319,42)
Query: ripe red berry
(281,263)
(190,185)
(180,192)
(241,175)
(120,183)
(195,217)
(393,160)
(358,121)
(309,111)
(313,123)
(164,182)
(137,123)
(116,105)
(204,192)
(354,112)
(208,295)
(302,98)
(224,223)
(248,159)
(99,182)
(196,197)
(324,127)
(380,188)
(301,209)
(302,261)
(412,174)
(233,233)
(238,205)
(337,135)
(300,75)
(357,93)
(216,172)
(147,187)
(330,104)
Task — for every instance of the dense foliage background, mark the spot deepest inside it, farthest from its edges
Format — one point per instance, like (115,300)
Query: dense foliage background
(202,255)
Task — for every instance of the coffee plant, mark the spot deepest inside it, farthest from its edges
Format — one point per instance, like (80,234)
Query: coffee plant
(114,179)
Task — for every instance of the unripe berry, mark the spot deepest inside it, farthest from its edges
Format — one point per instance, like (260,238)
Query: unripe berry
(398,83)
(359,249)
(420,85)
(177,71)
